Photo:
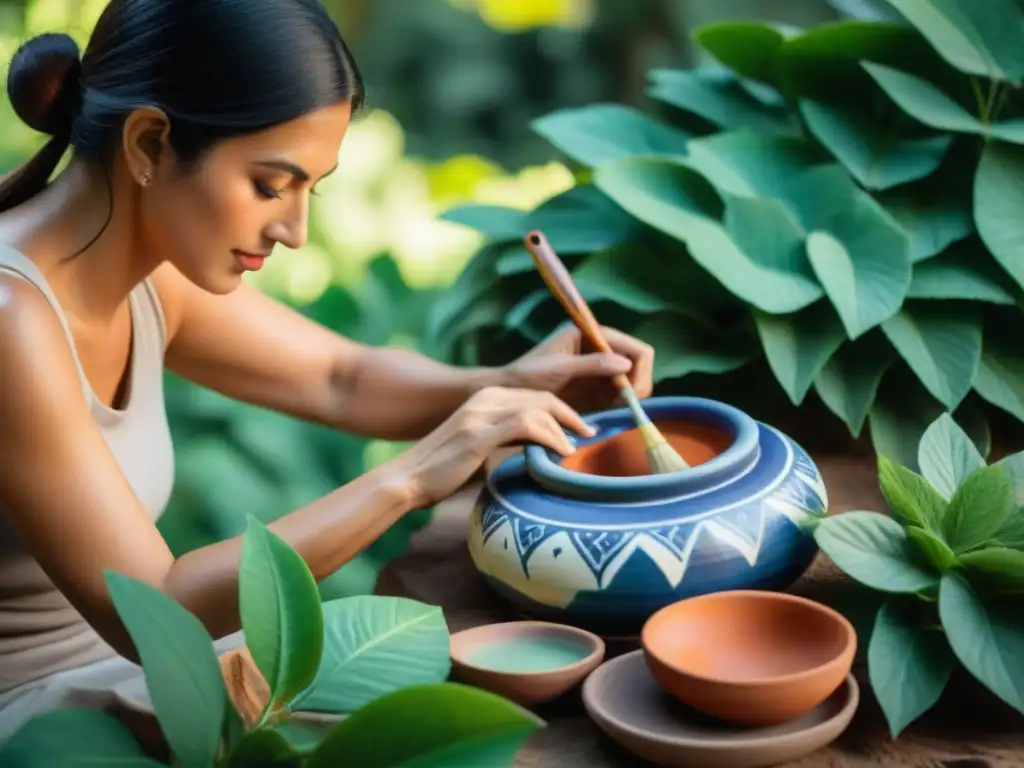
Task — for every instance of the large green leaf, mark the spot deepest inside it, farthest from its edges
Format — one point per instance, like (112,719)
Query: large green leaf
(910,497)
(987,637)
(756,254)
(281,616)
(747,164)
(683,348)
(934,213)
(996,570)
(582,220)
(747,47)
(849,381)
(599,133)
(434,718)
(935,550)
(717,97)
(978,509)
(909,661)
(876,155)
(797,346)
(1014,464)
(942,345)
(73,738)
(978,38)
(998,204)
(1000,377)
(947,456)
(903,410)
(495,222)
(873,549)
(180,667)
(962,273)
(930,106)
(376,645)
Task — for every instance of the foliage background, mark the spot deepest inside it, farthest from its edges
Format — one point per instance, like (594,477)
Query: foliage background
(453,86)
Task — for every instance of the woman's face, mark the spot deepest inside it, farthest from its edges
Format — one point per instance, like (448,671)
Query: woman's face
(247,195)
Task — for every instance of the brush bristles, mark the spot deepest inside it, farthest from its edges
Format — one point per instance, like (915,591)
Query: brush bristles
(661,457)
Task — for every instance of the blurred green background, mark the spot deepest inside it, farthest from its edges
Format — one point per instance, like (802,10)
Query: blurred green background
(453,86)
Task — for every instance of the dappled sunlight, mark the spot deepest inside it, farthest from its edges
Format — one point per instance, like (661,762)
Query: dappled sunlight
(520,15)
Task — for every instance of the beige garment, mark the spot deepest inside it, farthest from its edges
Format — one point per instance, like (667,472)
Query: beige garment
(45,644)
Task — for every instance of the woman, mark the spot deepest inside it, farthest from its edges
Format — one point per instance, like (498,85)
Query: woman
(199,129)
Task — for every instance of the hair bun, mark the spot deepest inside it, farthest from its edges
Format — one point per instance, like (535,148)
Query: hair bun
(43,83)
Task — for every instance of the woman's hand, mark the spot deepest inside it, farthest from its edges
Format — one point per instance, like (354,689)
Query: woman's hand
(441,463)
(559,365)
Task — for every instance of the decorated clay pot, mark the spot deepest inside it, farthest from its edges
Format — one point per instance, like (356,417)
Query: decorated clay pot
(596,541)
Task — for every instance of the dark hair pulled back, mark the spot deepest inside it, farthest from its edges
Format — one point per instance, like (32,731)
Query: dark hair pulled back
(217,68)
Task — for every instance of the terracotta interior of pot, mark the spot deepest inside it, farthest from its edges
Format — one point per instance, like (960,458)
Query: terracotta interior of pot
(625,454)
(745,639)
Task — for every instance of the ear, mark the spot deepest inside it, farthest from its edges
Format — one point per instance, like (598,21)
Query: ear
(146,144)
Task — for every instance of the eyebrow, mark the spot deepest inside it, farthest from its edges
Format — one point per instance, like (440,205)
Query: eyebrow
(297,171)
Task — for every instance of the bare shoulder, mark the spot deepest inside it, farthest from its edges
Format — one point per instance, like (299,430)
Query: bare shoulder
(32,339)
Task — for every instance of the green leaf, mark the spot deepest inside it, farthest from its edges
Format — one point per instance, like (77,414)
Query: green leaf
(262,746)
(930,106)
(496,222)
(280,609)
(1014,464)
(1011,534)
(180,667)
(747,47)
(684,348)
(798,346)
(947,456)
(755,255)
(998,202)
(581,220)
(876,158)
(909,661)
(73,738)
(961,273)
(978,509)
(985,38)
(935,213)
(746,164)
(998,570)
(717,97)
(873,549)
(848,382)
(599,133)
(910,497)
(1000,377)
(434,718)
(988,637)
(942,345)
(935,550)
(364,636)
(500,751)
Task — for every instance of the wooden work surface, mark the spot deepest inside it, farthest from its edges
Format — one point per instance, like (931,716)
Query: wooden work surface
(969,728)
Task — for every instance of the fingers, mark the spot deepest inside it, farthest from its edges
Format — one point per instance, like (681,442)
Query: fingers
(640,353)
(596,364)
(536,426)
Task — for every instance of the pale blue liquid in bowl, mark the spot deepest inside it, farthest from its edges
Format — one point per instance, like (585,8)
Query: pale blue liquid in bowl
(529,654)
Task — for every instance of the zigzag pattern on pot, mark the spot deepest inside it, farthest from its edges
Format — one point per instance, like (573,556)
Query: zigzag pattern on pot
(800,494)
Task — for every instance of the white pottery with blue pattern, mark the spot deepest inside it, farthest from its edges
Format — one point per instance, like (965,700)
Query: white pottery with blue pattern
(606,552)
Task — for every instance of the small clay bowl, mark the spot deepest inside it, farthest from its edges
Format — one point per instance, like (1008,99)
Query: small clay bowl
(749,657)
(528,662)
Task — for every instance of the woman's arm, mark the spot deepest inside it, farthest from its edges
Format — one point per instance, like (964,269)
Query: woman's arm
(252,348)
(66,497)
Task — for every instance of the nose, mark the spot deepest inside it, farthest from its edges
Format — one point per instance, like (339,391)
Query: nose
(292,231)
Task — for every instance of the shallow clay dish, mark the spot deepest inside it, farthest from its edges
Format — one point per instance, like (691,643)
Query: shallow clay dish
(528,662)
(631,708)
(749,657)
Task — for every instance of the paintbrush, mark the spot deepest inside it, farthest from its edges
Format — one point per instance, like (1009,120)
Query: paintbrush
(661,457)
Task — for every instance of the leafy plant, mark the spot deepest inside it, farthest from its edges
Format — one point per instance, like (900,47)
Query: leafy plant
(380,663)
(841,204)
(949,567)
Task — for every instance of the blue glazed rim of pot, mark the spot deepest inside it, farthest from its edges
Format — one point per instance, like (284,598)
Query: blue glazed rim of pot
(544,465)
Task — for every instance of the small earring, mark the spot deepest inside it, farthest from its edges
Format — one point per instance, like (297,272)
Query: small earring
(145,178)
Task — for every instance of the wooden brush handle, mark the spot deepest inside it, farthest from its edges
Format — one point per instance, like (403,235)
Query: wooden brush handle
(561,285)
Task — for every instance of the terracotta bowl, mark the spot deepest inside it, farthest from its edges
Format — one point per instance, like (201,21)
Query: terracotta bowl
(749,657)
(528,662)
